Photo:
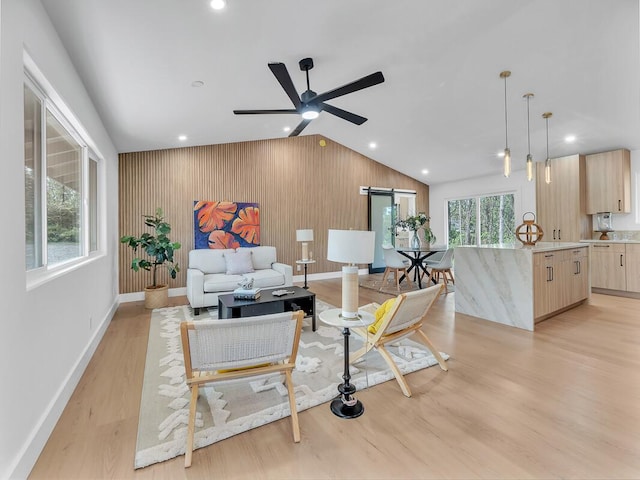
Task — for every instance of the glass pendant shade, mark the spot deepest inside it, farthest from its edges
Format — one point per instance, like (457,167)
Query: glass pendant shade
(529,157)
(507,162)
(547,163)
(529,167)
(547,171)
(507,153)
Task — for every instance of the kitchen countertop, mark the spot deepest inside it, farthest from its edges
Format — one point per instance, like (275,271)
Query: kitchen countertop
(609,241)
(538,247)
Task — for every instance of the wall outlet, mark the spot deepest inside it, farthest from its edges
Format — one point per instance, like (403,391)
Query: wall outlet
(298,268)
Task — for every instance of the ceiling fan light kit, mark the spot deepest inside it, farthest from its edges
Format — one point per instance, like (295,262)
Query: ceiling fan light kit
(309,104)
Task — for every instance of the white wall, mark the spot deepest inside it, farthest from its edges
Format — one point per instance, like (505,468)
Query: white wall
(46,335)
(523,190)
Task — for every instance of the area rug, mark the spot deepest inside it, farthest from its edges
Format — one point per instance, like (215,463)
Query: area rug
(230,408)
(374,282)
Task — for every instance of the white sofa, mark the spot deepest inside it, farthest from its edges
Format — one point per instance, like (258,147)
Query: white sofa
(214,272)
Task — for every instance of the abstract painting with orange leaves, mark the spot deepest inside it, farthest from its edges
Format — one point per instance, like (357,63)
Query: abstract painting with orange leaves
(226,224)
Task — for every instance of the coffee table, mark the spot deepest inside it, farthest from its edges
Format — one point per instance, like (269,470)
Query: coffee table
(300,299)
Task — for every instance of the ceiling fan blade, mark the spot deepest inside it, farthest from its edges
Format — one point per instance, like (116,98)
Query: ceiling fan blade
(338,112)
(261,112)
(281,73)
(364,82)
(299,128)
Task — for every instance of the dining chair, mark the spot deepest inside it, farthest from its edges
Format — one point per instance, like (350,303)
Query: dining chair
(442,266)
(396,263)
(404,319)
(218,350)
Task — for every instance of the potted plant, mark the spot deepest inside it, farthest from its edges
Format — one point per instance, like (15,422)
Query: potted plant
(414,223)
(159,252)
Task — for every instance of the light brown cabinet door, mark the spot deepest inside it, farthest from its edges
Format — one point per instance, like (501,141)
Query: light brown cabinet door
(560,205)
(632,267)
(609,182)
(608,266)
(547,283)
(576,274)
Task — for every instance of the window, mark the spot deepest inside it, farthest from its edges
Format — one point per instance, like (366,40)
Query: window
(61,185)
(481,220)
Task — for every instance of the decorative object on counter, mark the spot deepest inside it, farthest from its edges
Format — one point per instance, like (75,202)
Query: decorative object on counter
(547,162)
(507,153)
(604,224)
(529,157)
(305,236)
(415,223)
(529,232)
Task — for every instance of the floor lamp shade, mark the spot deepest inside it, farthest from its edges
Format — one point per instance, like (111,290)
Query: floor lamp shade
(352,247)
(304,236)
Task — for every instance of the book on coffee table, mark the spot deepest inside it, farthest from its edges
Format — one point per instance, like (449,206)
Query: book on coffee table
(246,294)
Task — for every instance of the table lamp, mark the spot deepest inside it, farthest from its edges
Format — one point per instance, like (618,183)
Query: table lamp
(304,236)
(352,247)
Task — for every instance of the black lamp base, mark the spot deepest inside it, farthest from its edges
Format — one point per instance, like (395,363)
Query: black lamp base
(339,408)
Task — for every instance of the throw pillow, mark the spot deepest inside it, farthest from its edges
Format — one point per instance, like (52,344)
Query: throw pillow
(381,311)
(238,262)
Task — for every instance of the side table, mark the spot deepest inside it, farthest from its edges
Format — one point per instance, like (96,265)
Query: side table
(346,405)
(305,263)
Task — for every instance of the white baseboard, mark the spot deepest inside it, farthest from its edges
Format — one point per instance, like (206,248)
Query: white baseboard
(36,441)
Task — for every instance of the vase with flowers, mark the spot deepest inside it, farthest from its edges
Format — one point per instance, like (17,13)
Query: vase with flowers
(415,223)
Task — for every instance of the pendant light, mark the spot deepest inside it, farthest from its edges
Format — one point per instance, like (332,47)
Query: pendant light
(547,162)
(529,157)
(507,153)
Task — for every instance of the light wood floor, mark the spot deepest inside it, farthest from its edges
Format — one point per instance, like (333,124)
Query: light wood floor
(563,402)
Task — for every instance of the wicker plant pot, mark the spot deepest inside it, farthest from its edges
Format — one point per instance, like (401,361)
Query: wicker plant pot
(156,297)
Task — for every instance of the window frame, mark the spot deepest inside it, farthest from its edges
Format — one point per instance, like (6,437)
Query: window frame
(51,103)
(478,200)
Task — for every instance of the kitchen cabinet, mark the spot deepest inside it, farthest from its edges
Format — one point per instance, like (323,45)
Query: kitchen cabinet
(561,204)
(608,266)
(632,267)
(576,273)
(520,285)
(608,176)
(561,278)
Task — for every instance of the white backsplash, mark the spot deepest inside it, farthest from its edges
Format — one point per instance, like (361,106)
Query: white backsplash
(620,235)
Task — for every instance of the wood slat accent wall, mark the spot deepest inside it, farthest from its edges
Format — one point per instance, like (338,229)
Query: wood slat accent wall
(297,182)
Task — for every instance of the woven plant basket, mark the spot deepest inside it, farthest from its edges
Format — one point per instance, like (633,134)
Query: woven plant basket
(156,297)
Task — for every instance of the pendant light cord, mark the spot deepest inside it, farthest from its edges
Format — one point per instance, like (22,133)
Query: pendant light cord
(547,122)
(506,127)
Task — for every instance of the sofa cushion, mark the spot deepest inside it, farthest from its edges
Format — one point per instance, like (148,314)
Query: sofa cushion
(262,257)
(238,262)
(266,278)
(208,260)
(221,282)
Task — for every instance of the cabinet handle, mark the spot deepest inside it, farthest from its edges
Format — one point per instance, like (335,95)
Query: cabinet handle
(554,233)
(548,255)
(619,205)
(601,246)
(549,274)
(577,272)
(559,237)
(621,261)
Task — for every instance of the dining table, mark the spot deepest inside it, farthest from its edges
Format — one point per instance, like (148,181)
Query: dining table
(417,257)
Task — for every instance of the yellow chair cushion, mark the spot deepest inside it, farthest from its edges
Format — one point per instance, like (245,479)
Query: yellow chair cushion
(381,311)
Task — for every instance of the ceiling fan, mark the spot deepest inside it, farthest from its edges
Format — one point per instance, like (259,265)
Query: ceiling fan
(310,104)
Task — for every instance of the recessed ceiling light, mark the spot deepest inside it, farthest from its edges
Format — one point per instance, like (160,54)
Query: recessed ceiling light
(182,138)
(197,83)
(287,129)
(218,4)
(570,138)
(425,171)
(373,145)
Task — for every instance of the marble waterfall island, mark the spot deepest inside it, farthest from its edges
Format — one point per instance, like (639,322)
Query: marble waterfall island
(520,285)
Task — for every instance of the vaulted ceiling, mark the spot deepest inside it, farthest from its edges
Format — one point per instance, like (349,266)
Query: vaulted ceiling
(441,107)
